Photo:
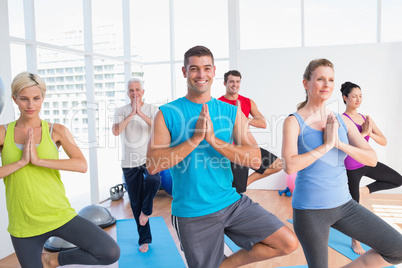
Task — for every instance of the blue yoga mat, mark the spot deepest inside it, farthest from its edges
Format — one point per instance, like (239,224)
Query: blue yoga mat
(162,251)
(341,243)
(231,244)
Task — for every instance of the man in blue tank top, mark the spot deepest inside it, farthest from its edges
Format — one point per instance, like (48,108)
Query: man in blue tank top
(193,137)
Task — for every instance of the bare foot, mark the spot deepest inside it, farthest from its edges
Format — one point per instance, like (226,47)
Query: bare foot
(143,248)
(357,248)
(50,260)
(143,219)
(363,192)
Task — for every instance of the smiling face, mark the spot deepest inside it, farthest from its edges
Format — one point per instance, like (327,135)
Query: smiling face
(135,90)
(29,101)
(321,83)
(354,98)
(200,73)
(233,84)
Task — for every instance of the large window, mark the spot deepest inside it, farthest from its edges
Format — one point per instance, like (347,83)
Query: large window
(60,22)
(150,38)
(107,29)
(49,39)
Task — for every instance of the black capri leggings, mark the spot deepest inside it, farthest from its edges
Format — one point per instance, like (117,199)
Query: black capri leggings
(384,176)
(94,246)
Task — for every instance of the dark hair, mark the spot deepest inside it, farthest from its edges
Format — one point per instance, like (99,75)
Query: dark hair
(311,67)
(197,51)
(346,88)
(231,72)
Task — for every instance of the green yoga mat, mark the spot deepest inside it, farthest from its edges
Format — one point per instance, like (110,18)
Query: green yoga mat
(162,251)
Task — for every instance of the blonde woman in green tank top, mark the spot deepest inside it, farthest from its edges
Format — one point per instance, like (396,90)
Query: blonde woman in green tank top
(36,202)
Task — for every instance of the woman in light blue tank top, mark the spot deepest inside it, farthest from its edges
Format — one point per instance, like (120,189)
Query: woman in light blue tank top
(384,177)
(315,144)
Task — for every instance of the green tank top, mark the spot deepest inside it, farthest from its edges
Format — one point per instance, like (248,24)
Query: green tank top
(35,196)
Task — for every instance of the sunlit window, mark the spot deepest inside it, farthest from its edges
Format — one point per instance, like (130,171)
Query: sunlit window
(60,23)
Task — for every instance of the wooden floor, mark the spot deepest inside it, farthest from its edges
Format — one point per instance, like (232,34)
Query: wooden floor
(387,206)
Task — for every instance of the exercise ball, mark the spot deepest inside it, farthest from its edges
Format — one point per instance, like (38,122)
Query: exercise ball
(2,96)
(166,181)
(290,181)
(99,215)
(56,244)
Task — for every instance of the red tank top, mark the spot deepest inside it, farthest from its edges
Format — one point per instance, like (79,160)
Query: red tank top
(244,102)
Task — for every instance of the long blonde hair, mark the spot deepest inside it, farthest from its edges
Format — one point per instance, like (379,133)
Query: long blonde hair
(311,67)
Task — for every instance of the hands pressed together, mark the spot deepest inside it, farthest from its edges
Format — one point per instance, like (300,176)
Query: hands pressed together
(204,128)
(136,107)
(29,153)
(331,138)
(367,127)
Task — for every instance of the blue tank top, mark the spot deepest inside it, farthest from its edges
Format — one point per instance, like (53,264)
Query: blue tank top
(323,184)
(202,182)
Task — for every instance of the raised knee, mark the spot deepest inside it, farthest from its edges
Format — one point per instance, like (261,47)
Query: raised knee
(111,254)
(290,244)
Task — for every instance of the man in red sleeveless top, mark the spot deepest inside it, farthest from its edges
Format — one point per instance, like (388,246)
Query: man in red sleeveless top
(270,164)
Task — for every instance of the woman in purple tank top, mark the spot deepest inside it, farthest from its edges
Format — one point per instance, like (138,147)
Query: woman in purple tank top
(384,177)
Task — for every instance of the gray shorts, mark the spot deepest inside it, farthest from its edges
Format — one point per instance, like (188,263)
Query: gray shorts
(244,222)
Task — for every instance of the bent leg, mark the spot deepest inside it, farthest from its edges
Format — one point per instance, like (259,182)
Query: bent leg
(260,233)
(280,243)
(95,246)
(363,225)
(384,176)
(275,167)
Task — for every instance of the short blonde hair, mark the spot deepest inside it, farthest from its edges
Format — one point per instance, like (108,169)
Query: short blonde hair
(24,80)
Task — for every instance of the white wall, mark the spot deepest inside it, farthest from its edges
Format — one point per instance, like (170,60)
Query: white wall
(273,79)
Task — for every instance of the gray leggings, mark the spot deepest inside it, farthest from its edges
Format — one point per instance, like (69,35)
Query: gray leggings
(94,246)
(312,228)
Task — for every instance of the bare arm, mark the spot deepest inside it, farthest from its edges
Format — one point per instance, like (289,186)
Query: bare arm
(358,148)
(159,155)
(292,161)
(118,128)
(376,133)
(62,136)
(11,168)
(142,115)
(245,151)
(258,119)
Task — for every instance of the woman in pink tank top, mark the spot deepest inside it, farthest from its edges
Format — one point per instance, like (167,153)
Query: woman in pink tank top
(384,177)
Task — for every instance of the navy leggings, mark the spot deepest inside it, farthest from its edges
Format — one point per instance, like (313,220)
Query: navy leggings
(94,246)
(384,176)
(141,188)
(312,228)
